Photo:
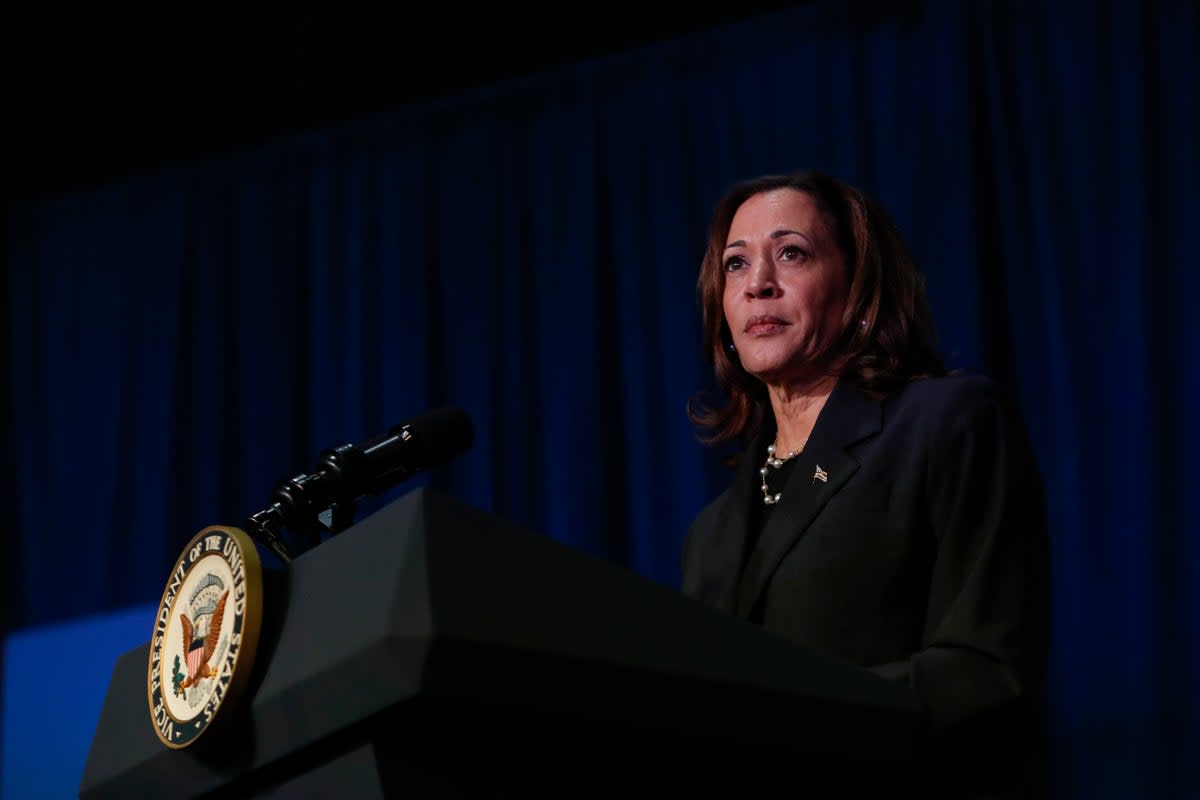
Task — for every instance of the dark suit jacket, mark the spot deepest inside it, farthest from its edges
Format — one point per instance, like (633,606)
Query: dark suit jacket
(922,556)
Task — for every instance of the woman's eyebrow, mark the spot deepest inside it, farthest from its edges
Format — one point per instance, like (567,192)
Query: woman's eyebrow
(774,235)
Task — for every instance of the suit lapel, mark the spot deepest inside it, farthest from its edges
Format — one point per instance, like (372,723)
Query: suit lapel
(849,416)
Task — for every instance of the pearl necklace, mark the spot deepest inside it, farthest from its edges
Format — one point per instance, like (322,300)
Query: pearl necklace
(773,462)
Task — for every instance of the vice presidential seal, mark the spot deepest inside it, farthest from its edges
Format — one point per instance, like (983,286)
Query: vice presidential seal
(205,635)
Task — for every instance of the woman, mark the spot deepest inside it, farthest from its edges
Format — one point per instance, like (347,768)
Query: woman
(884,511)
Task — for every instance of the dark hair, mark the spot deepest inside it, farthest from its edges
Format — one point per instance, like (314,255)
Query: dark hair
(888,336)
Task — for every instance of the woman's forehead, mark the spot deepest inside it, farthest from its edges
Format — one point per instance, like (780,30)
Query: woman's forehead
(776,209)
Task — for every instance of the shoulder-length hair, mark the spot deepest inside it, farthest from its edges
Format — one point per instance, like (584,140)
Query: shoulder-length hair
(888,337)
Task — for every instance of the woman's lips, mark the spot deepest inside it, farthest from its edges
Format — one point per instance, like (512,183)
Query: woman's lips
(764,324)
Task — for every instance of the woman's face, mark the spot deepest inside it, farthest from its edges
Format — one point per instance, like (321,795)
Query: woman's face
(785,286)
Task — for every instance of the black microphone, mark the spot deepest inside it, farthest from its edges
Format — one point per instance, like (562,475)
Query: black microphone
(350,472)
(426,442)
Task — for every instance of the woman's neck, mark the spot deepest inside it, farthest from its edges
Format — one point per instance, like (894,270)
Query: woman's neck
(796,407)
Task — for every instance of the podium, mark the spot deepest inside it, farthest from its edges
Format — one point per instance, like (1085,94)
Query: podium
(436,650)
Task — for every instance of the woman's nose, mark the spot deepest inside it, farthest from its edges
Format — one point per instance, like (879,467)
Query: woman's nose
(762,280)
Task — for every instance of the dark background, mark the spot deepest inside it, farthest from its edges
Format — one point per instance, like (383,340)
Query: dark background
(173,345)
(100,91)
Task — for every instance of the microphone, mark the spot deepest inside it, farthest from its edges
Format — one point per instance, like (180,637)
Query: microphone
(426,442)
(348,473)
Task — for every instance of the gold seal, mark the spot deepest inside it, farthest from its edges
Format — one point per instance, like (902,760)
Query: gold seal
(205,635)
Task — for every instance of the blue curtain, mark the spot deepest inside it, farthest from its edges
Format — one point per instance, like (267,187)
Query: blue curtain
(177,344)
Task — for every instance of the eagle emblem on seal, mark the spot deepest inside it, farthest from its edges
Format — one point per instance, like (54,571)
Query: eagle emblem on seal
(202,632)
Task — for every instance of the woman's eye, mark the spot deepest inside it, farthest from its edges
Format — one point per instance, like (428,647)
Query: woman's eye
(792,253)
(733,263)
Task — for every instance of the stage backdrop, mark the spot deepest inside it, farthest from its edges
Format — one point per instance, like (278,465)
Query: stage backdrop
(177,344)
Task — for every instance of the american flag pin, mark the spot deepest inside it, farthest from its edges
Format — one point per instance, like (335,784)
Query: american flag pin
(820,475)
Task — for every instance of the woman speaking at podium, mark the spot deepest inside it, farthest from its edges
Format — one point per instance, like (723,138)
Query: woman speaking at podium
(883,510)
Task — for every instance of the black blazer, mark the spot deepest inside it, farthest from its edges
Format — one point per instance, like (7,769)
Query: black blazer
(922,555)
